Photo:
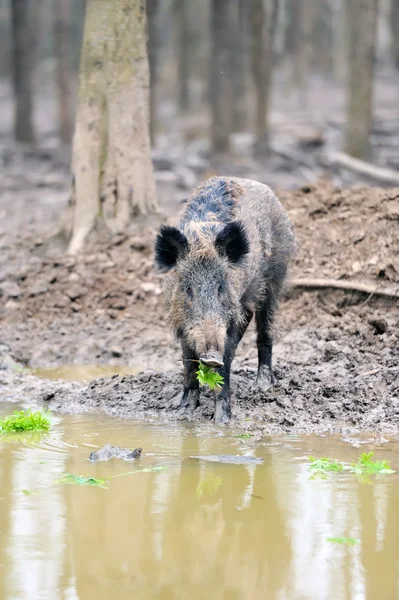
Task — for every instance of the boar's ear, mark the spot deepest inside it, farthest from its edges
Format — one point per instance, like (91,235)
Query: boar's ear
(170,245)
(232,242)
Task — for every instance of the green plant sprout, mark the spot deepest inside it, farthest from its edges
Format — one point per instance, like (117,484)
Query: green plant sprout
(25,421)
(324,465)
(156,469)
(343,540)
(82,480)
(208,376)
(363,467)
(366,466)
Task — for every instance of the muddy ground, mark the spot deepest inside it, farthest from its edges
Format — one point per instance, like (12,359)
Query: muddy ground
(336,353)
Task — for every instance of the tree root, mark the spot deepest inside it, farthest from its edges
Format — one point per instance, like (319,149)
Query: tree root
(355,286)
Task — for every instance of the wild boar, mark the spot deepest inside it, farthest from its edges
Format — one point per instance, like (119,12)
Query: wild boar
(226,260)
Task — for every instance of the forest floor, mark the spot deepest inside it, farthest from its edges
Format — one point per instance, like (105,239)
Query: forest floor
(336,351)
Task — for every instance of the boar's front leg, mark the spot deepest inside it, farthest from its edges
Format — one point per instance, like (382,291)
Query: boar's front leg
(222,398)
(190,397)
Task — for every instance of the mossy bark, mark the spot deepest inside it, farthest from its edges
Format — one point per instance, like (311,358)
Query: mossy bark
(111,159)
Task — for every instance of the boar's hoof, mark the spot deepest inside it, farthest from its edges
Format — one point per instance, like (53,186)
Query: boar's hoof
(265,379)
(190,399)
(222,412)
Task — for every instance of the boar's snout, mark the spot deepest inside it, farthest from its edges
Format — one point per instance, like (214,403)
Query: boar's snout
(212,359)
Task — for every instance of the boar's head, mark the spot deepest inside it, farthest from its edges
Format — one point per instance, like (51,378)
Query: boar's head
(201,298)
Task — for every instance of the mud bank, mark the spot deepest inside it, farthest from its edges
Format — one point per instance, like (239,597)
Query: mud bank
(312,399)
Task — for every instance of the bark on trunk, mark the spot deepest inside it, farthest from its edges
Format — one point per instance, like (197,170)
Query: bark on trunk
(362,23)
(220,88)
(62,30)
(153,56)
(111,162)
(263,23)
(239,67)
(22,55)
(395,31)
(183,57)
(304,47)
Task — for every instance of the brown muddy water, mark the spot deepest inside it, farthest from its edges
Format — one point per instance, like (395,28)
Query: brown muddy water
(83,372)
(196,529)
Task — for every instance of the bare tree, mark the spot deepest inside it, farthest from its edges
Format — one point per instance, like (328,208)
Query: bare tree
(183,54)
(153,56)
(220,91)
(395,31)
(362,23)
(263,19)
(111,162)
(306,13)
(239,40)
(22,55)
(62,30)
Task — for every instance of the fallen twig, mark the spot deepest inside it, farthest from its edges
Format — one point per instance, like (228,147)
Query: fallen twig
(360,166)
(355,286)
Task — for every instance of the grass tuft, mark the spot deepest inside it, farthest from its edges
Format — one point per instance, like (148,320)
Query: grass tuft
(208,376)
(25,421)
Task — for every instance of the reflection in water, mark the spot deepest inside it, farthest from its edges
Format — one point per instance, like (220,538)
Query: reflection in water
(196,530)
(84,372)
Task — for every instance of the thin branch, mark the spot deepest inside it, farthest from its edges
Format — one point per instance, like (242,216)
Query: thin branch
(355,286)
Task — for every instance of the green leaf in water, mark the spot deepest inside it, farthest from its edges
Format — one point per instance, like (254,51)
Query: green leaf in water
(324,465)
(28,493)
(208,485)
(82,480)
(208,376)
(343,540)
(156,469)
(243,436)
(366,466)
(25,421)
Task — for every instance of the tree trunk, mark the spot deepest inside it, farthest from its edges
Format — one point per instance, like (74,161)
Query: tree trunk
(304,47)
(263,24)
(22,54)
(220,89)
(62,30)
(183,57)
(239,67)
(395,31)
(111,162)
(340,40)
(153,56)
(362,23)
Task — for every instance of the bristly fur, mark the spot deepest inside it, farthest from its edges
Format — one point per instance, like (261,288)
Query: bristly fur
(170,246)
(226,262)
(233,242)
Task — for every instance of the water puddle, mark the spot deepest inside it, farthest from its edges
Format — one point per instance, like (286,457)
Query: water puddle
(179,527)
(83,372)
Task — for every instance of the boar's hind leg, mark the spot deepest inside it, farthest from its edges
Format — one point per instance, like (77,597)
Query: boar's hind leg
(190,395)
(264,321)
(222,398)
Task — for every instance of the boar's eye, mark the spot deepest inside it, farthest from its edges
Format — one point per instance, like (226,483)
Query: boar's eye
(189,292)
(220,289)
